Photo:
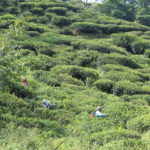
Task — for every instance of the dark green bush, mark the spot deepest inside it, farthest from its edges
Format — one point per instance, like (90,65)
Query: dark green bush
(37,11)
(123,75)
(131,42)
(25,52)
(37,46)
(140,123)
(21,91)
(7,17)
(125,87)
(108,136)
(87,27)
(77,72)
(147,53)
(104,85)
(101,46)
(46,77)
(119,59)
(86,58)
(144,19)
(5,24)
(42,19)
(61,20)
(39,123)
(123,144)
(35,27)
(58,10)
(11,102)
(33,33)
(39,62)
(14,10)
(26,6)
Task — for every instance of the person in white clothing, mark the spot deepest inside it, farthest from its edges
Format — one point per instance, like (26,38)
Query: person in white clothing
(98,113)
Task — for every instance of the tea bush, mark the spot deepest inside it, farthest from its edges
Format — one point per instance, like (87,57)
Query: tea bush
(26,6)
(147,53)
(46,77)
(87,27)
(37,46)
(39,62)
(125,87)
(58,10)
(131,42)
(77,72)
(108,136)
(100,46)
(104,85)
(86,58)
(37,11)
(137,144)
(11,102)
(61,20)
(140,123)
(35,27)
(119,60)
(21,91)
(118,75)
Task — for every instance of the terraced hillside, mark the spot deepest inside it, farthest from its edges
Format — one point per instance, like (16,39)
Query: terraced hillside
(78,58)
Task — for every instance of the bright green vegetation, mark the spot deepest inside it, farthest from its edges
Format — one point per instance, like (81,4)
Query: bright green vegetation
(78,58)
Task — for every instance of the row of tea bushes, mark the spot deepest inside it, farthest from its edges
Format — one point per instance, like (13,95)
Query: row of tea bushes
(131,42)
(87,27)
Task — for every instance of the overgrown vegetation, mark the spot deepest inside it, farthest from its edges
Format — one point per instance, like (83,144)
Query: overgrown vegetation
(77,56)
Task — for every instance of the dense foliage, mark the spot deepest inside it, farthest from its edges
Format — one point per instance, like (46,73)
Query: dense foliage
(78,56)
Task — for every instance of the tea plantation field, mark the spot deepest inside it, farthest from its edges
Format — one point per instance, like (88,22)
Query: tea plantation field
(78,58)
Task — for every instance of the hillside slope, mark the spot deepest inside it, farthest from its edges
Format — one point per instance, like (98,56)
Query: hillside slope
(78,59)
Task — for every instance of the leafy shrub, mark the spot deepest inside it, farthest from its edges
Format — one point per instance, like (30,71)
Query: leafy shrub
(14,10)
(42,19)
(104,85)
(131,42)
(122,75)
(125,87)
(58,10)
(100,46)
(46,77)
(137,144)
(140,45)
(145,89)
(77,72)
(11,102)
(86,58)
(21,91)
(119,59)
(37,46)
(39,62)
(25,52)
(26,6)
(86,27)
(43,124)
(144,19)
(37,11)
(147,53)
(7,17)
(55,38)
(111,135)
(5,24)
(33,33)
(61,20)
(34,27)
(140,123)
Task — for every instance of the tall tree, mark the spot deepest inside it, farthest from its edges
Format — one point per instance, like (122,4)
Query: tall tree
(122,9)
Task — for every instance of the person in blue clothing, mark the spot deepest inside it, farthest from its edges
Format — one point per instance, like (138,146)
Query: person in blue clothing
(98,112)
(47,104)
